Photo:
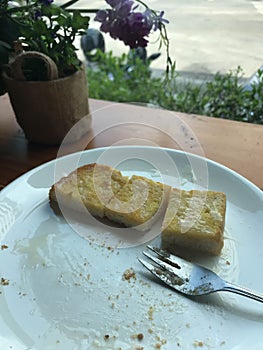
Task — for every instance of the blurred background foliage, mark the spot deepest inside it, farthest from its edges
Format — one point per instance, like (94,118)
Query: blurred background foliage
(129,79)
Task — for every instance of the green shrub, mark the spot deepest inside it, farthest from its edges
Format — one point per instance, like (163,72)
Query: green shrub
(228,99)
(121,79)
(125,79)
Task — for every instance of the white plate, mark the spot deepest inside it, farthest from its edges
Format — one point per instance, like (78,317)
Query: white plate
(66,292)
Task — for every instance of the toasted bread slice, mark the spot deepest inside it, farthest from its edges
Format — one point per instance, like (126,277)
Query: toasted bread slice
(194,220)
(139,203)
(89,187)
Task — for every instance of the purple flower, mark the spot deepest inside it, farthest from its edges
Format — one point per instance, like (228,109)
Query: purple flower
(124,23)
(37,14)
(101,16)
(159,19)
(117,4)
(113,3)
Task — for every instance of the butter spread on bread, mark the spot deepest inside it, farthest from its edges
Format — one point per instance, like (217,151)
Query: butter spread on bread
(139,203)
(194,220)
(105,192)
(89,187)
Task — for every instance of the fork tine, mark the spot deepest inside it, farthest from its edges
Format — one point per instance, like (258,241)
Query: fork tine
(162,263)
(148,266)
(165,276)
(177,262)
(155,271)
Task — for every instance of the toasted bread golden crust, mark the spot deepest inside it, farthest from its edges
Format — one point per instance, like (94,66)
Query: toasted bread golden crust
(139,203)
(195,220)
(89,187)
(192,219)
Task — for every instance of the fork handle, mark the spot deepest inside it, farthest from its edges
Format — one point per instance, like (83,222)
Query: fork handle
(229,287)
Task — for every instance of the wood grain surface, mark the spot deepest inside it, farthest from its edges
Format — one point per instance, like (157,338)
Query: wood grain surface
(236,145)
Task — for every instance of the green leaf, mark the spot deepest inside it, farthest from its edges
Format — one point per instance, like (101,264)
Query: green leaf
(40,27)
(79,21)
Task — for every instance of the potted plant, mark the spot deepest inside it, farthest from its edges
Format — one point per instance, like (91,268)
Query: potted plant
(41,71)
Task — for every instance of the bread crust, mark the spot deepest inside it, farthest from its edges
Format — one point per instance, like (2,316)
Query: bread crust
(190,219)
(87,188)
(195,220)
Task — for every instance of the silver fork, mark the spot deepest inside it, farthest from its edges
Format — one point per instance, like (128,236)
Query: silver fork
(189,278)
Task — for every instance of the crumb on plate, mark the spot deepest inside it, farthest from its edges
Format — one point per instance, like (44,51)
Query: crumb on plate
(198,343)
(129,274)
(138,336)
(4,281)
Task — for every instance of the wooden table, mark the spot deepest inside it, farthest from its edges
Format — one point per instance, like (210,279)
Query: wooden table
(237,145)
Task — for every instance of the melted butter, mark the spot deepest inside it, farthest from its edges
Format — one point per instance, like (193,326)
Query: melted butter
(38,248)
(216,214)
